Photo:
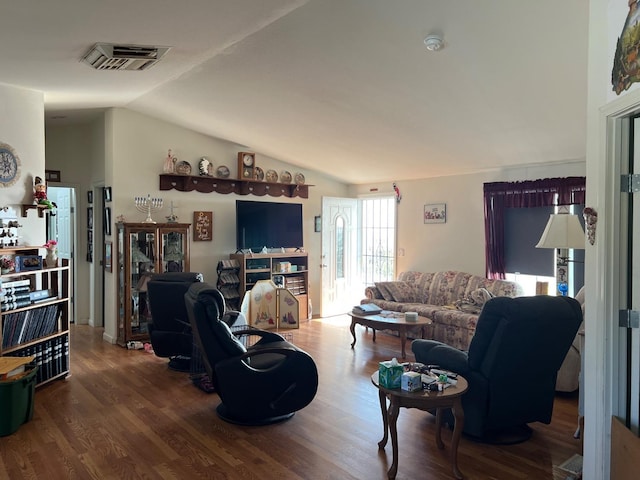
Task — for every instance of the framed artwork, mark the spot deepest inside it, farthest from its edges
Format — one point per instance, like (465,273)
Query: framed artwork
(107,220)
(90,197)
(435,213)
(203,226)
(25,263)
(90,217)
(107,256)
(317,223)
(107,194)
(52,175)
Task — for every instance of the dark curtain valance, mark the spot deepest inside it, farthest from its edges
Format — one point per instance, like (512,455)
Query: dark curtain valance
(530,193)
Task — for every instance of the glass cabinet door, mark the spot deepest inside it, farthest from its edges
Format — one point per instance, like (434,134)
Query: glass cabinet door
(142,255)
(122,297)
(174,250)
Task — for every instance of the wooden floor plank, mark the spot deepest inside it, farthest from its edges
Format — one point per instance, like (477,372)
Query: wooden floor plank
(123,414)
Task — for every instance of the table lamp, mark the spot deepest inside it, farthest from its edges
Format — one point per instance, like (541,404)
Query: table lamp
(563,231)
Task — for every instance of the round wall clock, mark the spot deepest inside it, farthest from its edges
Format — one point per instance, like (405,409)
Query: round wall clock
(9,165)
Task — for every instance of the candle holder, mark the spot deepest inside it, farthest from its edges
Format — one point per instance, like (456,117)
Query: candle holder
(148,204)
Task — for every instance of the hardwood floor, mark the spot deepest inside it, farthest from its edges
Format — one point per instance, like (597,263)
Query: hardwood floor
(123,415)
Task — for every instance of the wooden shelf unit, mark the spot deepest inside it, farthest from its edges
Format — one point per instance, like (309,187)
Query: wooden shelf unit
(204,184)
(43,324)
(228,282)
(264,266)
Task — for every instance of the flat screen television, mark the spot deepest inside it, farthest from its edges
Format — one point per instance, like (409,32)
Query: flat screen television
(268,224)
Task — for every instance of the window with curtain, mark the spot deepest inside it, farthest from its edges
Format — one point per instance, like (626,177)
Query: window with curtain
(501,196)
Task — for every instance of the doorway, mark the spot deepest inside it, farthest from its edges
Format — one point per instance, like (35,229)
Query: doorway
(339,268)
(61,227)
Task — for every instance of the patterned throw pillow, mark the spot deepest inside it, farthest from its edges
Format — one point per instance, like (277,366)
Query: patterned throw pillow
(384,291)
(398,291)
(474,302)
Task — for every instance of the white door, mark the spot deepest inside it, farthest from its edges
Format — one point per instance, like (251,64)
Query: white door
(61,227)
(341,287)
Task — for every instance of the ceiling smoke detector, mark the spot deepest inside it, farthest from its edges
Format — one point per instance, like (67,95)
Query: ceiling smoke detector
(106,56)
(434,43)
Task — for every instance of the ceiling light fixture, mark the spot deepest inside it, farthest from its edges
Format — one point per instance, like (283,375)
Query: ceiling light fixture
(434,43)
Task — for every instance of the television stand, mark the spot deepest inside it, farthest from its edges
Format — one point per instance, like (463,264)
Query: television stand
(293,266)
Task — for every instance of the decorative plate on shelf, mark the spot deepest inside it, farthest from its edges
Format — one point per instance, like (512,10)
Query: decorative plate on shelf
(259,174)
(299,179)
(272,176)
(222,171)
(285,177)
(183,168)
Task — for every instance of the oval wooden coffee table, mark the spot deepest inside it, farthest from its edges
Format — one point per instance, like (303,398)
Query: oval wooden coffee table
(423,400)
(388,321)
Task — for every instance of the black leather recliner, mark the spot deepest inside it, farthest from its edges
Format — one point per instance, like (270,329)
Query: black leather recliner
(170,330)
(264,383)
(512,364)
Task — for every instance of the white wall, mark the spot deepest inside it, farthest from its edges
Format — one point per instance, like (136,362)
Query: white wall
(601,367)
(459,243)
(22,127)
(136,146)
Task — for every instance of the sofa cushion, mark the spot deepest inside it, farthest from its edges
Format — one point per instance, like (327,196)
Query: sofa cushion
(398,291)
(383,288)
(447,287)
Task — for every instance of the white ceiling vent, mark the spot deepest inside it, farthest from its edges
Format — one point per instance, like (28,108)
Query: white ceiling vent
(105,56)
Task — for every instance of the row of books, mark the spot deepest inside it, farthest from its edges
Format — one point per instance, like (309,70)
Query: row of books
(18,294)
(24,326)
(51,357)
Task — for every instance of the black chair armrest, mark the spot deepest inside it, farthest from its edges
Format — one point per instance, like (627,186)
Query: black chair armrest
(266,337)
(431,352)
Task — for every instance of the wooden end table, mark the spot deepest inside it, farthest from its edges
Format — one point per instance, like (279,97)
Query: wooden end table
(423,400)
(388,321)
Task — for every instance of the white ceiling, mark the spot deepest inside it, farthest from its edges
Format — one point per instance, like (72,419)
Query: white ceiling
(345,87)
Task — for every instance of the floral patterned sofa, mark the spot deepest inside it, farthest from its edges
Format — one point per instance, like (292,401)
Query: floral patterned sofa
(452,300)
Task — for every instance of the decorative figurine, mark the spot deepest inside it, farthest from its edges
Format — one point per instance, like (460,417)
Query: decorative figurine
(169,163)
(40,195)
(398,194)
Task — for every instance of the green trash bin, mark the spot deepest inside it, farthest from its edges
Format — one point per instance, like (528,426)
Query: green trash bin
(16,401)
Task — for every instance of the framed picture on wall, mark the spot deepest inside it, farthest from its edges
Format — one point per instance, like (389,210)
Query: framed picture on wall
(203,226)
(107,194)
(107,256)
(435,213)
(107,220)
(90,197)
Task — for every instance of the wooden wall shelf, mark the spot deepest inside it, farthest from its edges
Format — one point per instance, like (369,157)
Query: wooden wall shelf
(41,209)
(188,183)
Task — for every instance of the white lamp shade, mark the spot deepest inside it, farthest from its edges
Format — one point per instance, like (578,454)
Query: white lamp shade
(562,231)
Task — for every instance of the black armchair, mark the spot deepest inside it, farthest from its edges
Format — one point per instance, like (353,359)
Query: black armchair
(264,383)
(170,330)
(512,364)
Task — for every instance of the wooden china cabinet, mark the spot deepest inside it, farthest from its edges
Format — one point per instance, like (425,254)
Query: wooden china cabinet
(143,249)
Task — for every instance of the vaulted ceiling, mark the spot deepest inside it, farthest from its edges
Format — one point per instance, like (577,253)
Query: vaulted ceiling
(346,87)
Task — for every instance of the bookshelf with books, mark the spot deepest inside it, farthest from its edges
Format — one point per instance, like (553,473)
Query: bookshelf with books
(34,309)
